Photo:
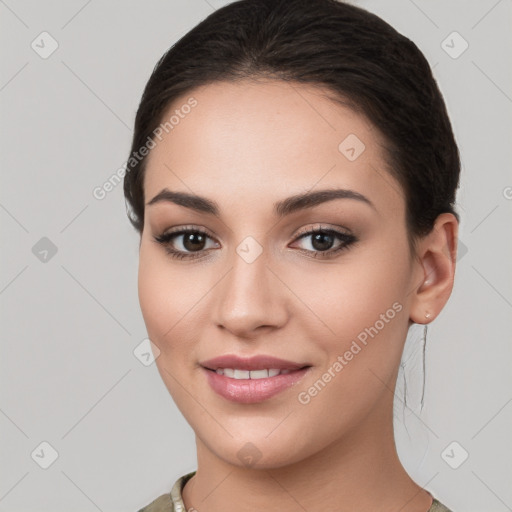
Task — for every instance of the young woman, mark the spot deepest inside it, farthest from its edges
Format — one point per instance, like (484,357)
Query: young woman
(292,177)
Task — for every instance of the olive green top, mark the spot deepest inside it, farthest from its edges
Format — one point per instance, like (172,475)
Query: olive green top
(173,502)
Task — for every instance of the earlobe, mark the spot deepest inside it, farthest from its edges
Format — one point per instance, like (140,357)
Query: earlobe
(436,261)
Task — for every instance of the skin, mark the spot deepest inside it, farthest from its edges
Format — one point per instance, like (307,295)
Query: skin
(246,146)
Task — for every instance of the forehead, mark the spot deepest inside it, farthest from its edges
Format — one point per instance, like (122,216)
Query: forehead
(267,138)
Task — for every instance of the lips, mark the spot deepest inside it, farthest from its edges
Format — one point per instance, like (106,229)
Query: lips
(259,362)
(251,391)
(249,380)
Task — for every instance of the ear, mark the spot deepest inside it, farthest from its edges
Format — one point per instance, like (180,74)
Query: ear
(435,269)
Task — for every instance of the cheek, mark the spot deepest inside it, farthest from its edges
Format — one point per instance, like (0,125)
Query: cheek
(363,325)
(153,296)
(167,299)
(361,315)
(172,301)
(352,296)
(163,295)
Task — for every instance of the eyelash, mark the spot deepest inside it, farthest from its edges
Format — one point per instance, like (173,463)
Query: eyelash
(165,239)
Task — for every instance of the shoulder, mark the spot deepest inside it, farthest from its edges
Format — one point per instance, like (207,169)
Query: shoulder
(438,507)
(161,504)
(170,502)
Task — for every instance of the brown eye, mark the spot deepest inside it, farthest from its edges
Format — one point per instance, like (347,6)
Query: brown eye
(194,241)
(322,241)
(186,242)
(326,242)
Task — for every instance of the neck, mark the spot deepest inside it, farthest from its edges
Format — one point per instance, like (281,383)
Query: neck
(360,471)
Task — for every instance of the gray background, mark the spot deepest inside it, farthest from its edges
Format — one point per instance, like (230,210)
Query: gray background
(71,320)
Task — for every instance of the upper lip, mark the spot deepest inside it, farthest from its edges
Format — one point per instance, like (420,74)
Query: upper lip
(259,362)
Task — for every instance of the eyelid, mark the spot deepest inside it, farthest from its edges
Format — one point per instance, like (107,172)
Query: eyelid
(322,227)
(189,227)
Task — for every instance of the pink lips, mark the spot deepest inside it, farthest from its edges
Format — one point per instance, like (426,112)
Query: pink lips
(248,391)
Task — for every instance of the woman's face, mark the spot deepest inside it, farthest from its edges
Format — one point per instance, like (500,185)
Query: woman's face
(257,284)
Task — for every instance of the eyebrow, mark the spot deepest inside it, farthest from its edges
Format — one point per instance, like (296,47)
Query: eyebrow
(281,208)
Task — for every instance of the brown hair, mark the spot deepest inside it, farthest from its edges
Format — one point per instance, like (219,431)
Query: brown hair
(350,51)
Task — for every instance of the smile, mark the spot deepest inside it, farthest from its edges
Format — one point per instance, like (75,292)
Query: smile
(234,373)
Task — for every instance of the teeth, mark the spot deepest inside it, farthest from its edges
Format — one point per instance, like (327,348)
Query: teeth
(241,374)
(256,374)
(252,374)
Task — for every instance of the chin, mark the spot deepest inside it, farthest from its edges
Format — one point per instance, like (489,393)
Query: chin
(259,451)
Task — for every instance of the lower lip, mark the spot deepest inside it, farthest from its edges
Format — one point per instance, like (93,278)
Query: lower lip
(250,391)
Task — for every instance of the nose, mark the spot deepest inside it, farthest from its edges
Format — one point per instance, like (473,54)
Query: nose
(250,299)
